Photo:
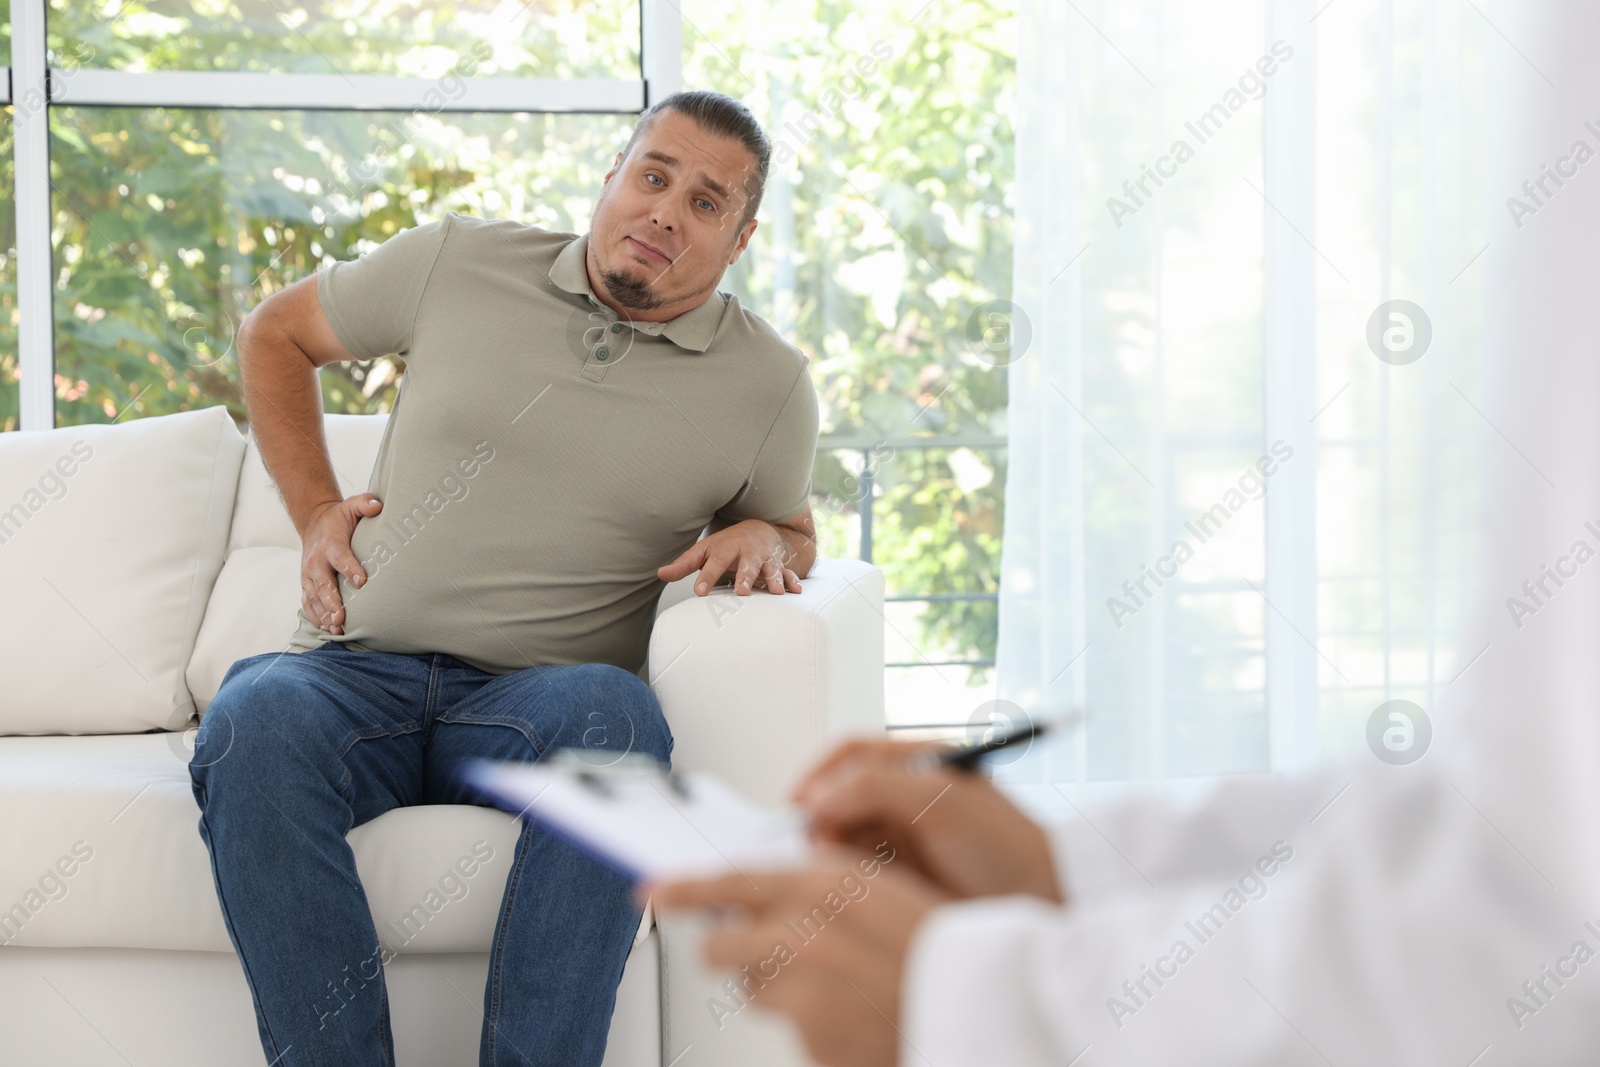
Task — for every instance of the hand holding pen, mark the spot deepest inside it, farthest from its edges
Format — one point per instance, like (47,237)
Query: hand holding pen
(953,826)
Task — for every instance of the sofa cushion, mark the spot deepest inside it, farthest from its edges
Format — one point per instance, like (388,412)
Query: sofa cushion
(110,539)
(102,849)
(259,517)
(255,599)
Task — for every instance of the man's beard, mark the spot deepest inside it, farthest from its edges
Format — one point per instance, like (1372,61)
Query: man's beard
(628,292)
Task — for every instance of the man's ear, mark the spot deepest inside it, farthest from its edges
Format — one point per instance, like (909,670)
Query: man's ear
(743,242)
(616,165)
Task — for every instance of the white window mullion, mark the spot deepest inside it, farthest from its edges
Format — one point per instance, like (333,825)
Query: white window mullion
(31,149)
(661,49)
(354,92)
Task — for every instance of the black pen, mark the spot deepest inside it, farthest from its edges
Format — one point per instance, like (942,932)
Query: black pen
(967,759)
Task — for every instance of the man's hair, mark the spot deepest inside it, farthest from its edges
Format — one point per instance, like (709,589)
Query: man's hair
(721,116)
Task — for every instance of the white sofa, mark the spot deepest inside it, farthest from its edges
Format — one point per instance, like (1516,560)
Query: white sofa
(137,562)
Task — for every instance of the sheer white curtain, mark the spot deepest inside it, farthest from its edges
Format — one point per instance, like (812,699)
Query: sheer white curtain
(1247,427)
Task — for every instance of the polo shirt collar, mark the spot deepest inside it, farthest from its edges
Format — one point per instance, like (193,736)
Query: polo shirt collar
(694,330)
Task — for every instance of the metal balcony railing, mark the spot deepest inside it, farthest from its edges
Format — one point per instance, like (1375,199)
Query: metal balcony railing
(872,451)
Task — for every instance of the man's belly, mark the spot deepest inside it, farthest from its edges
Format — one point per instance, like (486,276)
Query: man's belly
(500,604)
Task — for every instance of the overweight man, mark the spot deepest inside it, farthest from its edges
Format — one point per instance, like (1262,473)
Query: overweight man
(576,411)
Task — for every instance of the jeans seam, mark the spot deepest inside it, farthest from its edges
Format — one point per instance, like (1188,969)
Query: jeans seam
(431,703)
(497,957)
(386,1044)
(366,733)
(227,916)
(520,725)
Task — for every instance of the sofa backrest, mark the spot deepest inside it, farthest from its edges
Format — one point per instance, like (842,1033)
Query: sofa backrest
(111,537)
(256,597)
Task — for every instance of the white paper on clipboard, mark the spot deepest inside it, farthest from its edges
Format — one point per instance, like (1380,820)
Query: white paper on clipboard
(642,822)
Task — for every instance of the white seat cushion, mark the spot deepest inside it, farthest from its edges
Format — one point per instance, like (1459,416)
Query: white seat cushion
(140,876)
(110,540)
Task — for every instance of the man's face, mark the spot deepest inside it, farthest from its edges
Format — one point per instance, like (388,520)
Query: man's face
(670,219)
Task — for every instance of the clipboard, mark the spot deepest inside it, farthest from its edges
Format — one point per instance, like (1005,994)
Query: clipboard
(641,820)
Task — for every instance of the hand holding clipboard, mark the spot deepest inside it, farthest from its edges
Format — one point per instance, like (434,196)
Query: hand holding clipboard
(654,825)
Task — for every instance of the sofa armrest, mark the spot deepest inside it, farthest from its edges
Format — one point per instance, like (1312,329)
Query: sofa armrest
(755,687)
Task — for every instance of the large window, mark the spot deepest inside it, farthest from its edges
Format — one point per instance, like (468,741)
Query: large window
(179,161)
(203,155)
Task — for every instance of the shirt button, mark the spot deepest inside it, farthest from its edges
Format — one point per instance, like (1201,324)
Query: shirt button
(602,354)
(616,327)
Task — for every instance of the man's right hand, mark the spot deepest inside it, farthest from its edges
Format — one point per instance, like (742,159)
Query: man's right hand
(954,826)
(325,553)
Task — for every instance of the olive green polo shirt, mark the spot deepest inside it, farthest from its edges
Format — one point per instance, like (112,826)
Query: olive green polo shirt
(543,458)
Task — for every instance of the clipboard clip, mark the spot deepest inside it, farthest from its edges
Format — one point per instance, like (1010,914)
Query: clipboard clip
(601,780)
(595,784)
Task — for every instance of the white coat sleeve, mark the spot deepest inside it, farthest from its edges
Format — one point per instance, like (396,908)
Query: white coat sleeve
(1399,927)
(1149,843)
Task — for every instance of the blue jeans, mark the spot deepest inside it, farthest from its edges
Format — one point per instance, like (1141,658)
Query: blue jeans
(297,748)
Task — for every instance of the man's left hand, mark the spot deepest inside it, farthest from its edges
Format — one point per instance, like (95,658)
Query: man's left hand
(752,552)
(842,988)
